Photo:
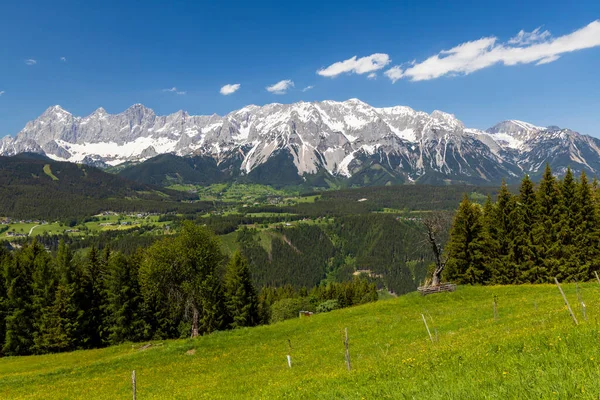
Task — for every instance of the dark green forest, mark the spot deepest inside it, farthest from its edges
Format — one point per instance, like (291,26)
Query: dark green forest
(179,286)
(391,251)
(33,186)
(546,231)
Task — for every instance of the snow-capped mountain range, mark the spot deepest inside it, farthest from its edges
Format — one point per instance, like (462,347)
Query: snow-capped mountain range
(342,138)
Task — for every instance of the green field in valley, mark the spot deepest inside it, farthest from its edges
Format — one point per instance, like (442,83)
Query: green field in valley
(105,223)
(532,350)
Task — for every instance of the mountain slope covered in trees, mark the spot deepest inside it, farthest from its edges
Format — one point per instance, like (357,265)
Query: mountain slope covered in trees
(33,186)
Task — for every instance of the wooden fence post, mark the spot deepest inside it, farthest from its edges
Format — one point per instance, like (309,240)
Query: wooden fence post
(427,327)
(581,301)
(596,273)
(346,345)
(566,301)
(495,308)
(133,384)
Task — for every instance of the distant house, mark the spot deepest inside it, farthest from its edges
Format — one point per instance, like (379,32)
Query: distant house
(15,234)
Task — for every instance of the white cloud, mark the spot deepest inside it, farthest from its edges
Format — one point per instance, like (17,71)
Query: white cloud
(2,92)
(63,59)
(306,89)
(31,61)
(280,87)
(525,48)
(535,36)
(372,75)
(174,90)
(229,89)
(354,65)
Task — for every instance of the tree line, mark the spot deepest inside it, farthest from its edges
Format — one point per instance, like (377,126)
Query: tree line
(545,231)
(180,286)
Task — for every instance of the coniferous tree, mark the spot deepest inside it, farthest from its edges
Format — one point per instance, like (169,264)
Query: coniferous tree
(523,220)
(92,300)
(504,269)
(124,308)
(545,235)
(65,310)
(587,232)
(467,260)
(44,283)
(527,200)
(566,247)
(20,312)
(5,259)
(520,256)
(240,295)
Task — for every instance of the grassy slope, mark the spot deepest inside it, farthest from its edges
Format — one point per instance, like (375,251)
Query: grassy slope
(532,351)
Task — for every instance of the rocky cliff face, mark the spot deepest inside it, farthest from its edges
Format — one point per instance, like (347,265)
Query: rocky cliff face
(342,138)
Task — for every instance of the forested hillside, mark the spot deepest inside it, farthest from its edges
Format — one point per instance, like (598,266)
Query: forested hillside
(179,286)
(390,250)
(33,186)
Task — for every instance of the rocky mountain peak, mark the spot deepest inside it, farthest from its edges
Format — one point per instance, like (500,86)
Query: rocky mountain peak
(339,137)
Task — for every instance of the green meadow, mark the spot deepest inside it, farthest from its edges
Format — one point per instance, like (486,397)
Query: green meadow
(532,350)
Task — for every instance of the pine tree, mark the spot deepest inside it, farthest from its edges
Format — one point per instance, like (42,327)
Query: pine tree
(20,312)
(93,300)
(566,248)
(527,201)
(213,312)
(124,308)
(467,260)
(545,234)
(504,271)
(5,260)
(523,252)
(44,285)
(65,313)
(587,232)
(240,295)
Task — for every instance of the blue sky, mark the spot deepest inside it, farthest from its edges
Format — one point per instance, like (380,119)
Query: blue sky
(120,53)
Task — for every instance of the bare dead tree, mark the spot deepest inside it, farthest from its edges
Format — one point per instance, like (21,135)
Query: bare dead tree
(436,227)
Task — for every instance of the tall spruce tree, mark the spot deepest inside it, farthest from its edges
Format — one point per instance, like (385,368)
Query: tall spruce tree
(523,251)
(545,235)
(20,313)
(240,296)
(520,256)
(5,259)
(44,283)
(587,232)
(467,259)
(566,248)
(124,303)
(66,313)
(504,269)
(93,300)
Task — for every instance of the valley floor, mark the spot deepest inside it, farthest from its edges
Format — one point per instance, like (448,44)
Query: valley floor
(533,350)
